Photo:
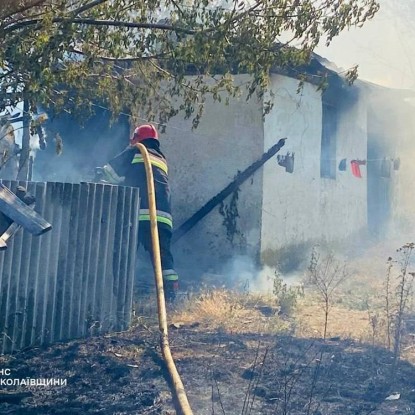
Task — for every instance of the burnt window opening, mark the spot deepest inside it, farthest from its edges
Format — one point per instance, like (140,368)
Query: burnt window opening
(328,141)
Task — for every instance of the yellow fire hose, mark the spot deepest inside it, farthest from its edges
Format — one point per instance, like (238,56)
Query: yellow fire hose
(161,304)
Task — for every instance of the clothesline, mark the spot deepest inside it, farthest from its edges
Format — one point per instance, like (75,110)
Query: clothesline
(360,159)
(381,159)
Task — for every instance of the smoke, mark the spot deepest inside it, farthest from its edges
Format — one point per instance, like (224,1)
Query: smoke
(84,147)
(384,47)
(243,274)
(384,50)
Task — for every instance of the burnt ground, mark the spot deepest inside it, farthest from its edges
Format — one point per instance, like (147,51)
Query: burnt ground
(223,373)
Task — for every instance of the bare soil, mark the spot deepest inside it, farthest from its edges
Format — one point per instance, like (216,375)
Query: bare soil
(223,372)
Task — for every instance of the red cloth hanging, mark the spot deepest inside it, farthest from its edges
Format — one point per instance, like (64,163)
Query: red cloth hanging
(356,167)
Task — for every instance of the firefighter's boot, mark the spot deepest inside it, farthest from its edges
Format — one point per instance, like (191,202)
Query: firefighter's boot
(170,290)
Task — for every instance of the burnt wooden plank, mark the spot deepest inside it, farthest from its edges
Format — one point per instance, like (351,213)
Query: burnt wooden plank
(3,244)
(19,212)
(10,232)
(240,178)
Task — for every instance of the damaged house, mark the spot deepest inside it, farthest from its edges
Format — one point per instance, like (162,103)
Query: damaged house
(335,179)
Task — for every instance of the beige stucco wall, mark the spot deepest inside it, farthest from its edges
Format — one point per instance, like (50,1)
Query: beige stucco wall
(202,163)
(302,207)
(278,211)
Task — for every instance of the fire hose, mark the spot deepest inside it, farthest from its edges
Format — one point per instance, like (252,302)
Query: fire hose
(176,381)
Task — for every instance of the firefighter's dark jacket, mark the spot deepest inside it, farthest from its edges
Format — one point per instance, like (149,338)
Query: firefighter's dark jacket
(128,169)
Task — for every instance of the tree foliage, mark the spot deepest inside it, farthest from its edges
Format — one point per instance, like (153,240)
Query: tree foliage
(134,55)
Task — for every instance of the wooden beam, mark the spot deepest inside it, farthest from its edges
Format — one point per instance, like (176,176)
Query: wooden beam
(10,232)
(19,212)
(220,197)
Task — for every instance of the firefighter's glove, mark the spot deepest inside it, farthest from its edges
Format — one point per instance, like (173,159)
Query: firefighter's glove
(99,174)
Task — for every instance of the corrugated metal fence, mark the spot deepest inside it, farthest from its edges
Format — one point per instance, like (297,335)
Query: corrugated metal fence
(77,279)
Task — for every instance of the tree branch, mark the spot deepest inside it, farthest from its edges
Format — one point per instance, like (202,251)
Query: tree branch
(88,6)
(93,22)
(131,59)
(177,7)
(243,14)
(23,8)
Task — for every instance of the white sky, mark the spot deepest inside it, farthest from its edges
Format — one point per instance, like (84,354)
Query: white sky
(384,48)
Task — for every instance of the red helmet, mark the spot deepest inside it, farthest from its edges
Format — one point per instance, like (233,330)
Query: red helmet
(143,132)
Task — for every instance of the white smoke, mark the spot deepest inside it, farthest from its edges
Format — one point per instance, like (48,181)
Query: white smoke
(242,273)
(384,47)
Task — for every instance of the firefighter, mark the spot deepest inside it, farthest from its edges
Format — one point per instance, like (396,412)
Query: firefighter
(128,168)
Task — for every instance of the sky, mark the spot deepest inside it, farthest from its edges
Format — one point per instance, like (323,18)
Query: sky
(384,48)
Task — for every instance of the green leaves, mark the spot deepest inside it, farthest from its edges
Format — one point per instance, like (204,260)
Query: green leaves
(134,56)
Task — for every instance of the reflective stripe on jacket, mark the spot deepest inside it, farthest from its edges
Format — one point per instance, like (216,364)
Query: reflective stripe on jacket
(155,161)
(130,165)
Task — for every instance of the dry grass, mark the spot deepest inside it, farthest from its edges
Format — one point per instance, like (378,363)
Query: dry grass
(232,312)
(357,312)
(342,322)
